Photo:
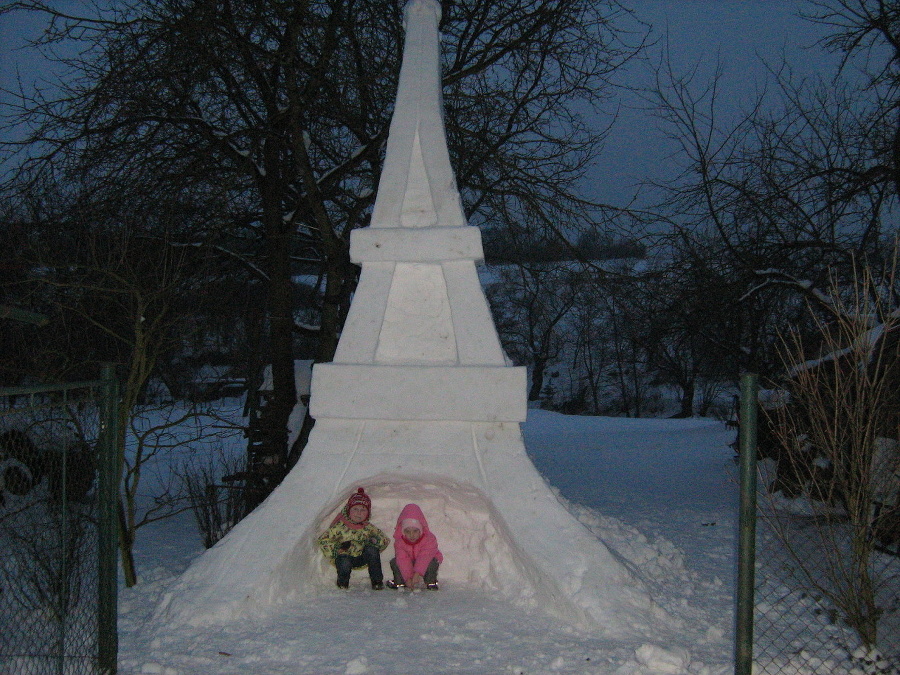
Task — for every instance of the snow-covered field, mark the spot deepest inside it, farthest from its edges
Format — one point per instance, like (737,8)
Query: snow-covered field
(661,493)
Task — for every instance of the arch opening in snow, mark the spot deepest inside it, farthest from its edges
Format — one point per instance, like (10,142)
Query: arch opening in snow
(479,550)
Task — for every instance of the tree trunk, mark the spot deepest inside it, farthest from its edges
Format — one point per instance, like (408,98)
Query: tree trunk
(337,266)
(537,379)
(688,389)
(281,311)
(340,278)
(126,547)
(281,325)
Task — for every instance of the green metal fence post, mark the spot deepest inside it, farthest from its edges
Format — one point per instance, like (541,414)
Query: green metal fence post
(108,492)
(743,661)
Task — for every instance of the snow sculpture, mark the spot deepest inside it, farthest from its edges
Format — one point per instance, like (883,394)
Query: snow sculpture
(419,405)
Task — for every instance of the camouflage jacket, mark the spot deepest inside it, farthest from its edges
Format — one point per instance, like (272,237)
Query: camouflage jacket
(341,531)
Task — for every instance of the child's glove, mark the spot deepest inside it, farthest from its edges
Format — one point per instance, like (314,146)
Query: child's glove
(345,546)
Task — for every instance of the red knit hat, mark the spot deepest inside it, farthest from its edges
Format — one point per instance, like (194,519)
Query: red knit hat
(359,498)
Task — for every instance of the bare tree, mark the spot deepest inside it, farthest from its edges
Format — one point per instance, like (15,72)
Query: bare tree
(629,375)
(692,317)
(117,287)
(531,303)
(780,193)
(284,106)
(839,433)
(591,356)
(159,439)
(869,29)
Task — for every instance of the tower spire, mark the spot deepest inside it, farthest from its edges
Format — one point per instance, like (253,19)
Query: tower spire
(417,186)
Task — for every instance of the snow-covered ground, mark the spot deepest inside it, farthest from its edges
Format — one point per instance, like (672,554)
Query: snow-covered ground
(661,493)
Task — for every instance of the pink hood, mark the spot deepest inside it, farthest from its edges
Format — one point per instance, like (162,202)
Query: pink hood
(415,557)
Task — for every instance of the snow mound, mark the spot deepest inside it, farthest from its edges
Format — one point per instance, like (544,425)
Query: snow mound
(480,553)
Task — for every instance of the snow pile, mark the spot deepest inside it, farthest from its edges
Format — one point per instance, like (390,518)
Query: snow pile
(651,659)
(656,560)
(592,587)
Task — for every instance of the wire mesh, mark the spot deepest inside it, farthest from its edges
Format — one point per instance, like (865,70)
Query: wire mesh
(810,581)
(49,583)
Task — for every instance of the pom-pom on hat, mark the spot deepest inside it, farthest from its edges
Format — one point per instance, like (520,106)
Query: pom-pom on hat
(359,498)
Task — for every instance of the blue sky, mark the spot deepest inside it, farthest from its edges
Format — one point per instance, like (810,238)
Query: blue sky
(737,33)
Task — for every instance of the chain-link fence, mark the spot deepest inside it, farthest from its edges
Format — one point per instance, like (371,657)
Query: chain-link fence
(57,530)
(815,586)
(805,619)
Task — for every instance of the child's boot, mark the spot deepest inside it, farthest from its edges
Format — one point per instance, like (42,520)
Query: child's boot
(431,582)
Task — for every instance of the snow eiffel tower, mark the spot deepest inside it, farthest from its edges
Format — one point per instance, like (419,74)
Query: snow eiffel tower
(419,405)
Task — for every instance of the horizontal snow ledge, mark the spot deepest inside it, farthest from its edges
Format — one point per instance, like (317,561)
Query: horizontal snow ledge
(457,393)
(415,244)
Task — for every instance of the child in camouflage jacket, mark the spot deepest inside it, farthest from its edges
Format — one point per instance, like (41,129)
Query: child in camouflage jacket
(352,541)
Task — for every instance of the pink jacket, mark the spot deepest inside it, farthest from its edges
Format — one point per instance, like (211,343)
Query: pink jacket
(415,557)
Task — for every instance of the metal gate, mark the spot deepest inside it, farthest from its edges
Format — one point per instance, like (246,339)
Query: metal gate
(58,528)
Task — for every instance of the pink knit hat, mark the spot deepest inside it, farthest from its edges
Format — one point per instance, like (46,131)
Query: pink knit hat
(410,522)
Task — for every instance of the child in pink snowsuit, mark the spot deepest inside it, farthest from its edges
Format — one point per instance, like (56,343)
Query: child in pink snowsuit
(416,553)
